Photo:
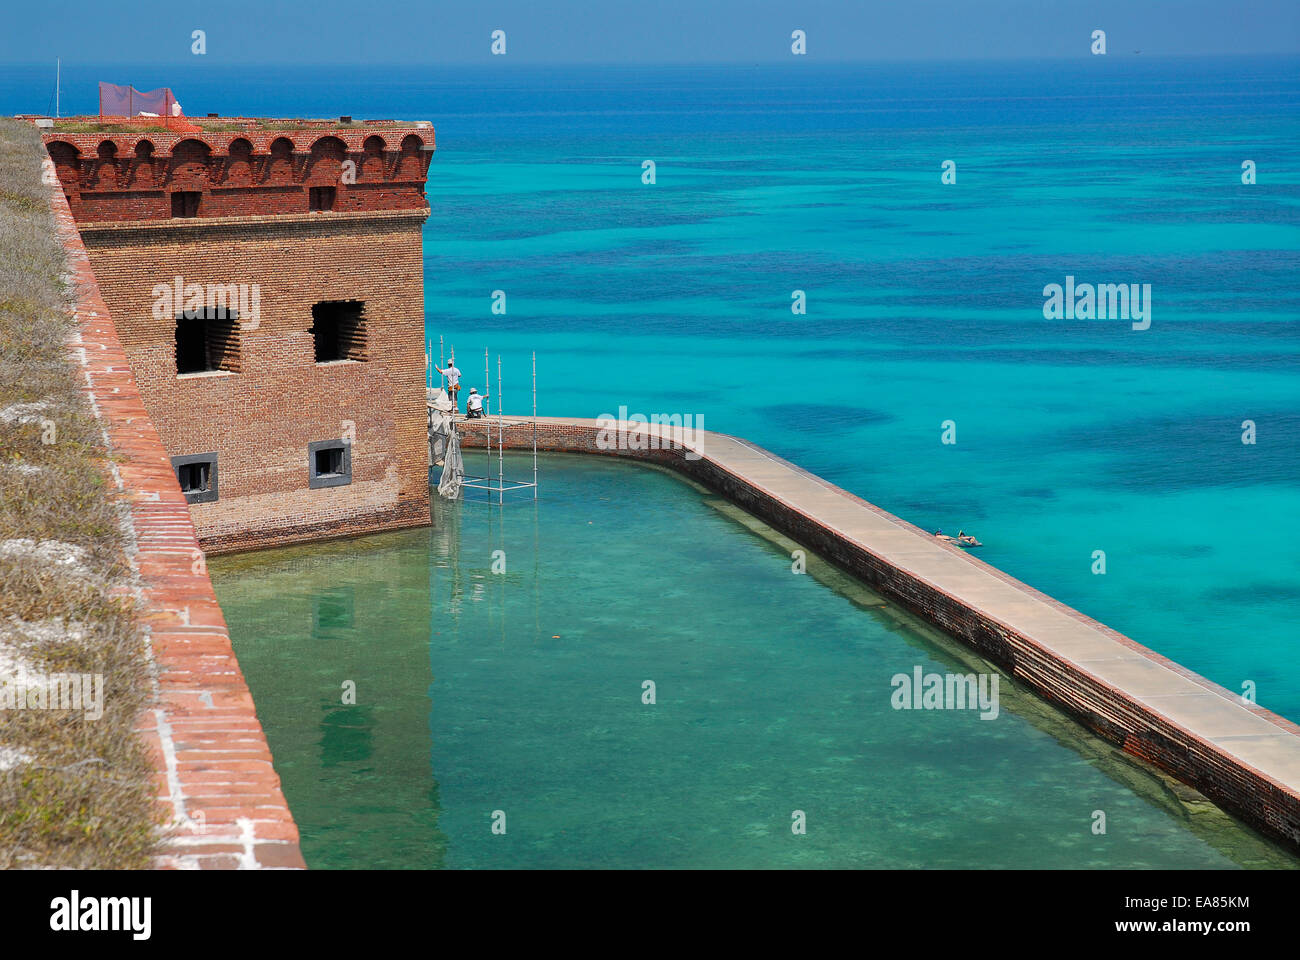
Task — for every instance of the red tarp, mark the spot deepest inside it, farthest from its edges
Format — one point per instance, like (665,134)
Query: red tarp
(117,101)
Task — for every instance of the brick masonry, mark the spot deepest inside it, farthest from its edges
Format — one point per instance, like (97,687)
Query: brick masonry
(129,174)
(270,399)
(261,419)
(1271,806)
(215,778)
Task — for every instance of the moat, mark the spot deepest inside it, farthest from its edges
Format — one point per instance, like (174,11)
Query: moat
(516,698)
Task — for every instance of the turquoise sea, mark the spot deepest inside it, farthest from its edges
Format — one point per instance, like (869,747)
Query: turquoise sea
(925,304)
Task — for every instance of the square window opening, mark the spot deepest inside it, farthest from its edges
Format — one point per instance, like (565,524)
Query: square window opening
(339,330)
(329,464)
(207,340)
(185,203)
(197,476)
(320,198)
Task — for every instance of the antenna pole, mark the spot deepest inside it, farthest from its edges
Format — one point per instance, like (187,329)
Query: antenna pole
(501,463)
(534,424)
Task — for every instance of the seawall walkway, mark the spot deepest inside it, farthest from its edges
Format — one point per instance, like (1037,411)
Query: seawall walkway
(1241,756)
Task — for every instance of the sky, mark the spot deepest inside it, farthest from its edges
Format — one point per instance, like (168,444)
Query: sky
(635,31)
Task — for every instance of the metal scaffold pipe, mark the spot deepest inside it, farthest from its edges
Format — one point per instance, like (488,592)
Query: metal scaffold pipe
(501,466)
(486,481)
(534,424)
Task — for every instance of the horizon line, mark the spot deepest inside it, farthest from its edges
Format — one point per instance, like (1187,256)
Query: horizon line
(498,63)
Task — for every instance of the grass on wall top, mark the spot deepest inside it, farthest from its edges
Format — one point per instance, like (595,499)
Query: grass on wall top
(74,792)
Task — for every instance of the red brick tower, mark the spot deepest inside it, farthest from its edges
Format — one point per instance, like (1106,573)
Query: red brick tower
(266,280)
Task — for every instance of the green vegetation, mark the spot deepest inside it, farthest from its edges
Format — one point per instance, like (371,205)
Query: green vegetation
(81,126)
(74,791)
(297,124)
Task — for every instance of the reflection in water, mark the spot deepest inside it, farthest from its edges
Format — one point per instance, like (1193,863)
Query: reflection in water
(345,735)
(333,609)
(488,573)
(313,624)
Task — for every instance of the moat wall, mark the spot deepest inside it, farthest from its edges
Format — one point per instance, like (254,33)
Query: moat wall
(215,780)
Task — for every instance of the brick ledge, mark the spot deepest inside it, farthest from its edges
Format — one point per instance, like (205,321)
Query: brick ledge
(191,223)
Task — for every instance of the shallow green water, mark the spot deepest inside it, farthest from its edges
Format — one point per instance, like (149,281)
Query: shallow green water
(522,692)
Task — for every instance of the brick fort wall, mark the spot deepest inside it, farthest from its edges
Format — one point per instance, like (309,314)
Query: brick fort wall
(261,419)
(279,215)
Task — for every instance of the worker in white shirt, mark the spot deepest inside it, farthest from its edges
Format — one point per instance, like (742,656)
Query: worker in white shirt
(453,380)
(474,403)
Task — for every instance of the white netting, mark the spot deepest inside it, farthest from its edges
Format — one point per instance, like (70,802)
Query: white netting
(453,468)
(440,424)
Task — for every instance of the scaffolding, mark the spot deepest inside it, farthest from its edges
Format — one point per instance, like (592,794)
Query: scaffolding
(496,486)
(439,382)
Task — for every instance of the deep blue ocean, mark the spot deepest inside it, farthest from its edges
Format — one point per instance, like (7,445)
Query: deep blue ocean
(924,299)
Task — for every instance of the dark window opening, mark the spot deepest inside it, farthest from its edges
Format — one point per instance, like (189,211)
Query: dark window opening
(329,463)
(207,341)
(197,476)
(185,203)
(320,198)
(339,330)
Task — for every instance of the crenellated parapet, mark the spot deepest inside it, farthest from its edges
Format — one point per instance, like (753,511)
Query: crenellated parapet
(114,172)
(267,280)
